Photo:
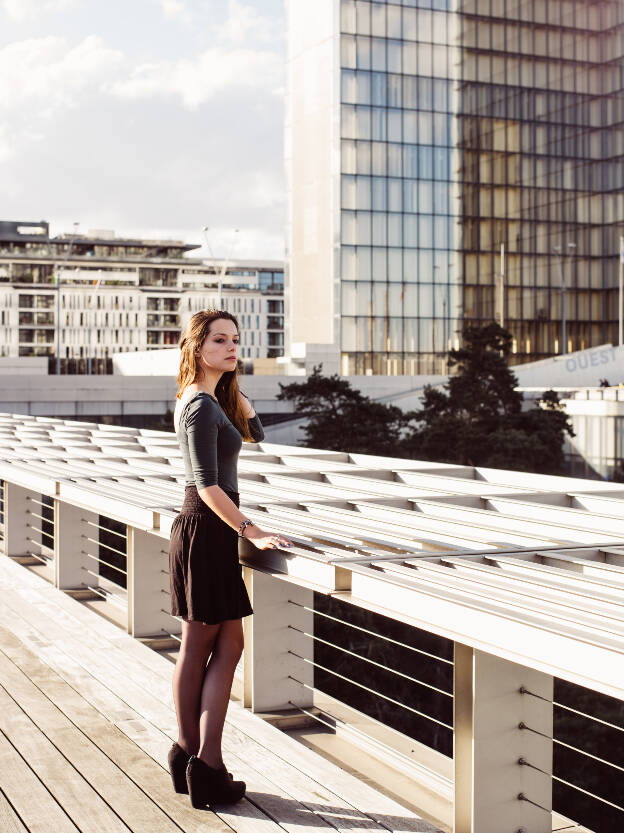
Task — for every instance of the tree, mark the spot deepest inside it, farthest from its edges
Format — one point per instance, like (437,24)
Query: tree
(340,418)
(478,419)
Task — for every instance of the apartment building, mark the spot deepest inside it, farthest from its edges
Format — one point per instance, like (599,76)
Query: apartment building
(97,294)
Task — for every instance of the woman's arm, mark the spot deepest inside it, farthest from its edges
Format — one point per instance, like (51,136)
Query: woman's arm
(255,426)
(201,430)
(248,408)
(222,505)
(217,500)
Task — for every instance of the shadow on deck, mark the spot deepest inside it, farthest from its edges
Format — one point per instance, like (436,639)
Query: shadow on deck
(86,719)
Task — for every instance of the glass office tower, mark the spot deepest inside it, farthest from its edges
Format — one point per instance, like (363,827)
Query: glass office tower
(453,162)
(541,145)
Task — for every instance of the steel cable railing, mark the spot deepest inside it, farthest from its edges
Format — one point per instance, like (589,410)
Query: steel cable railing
(371,662)
(361,663)
(583,792)
(43,530)
(110,562)
(587,788)
(370,632)
(107,595)
(383,669)
(112,549)
(365,688)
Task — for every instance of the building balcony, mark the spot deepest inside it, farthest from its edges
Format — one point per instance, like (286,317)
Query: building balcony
(455,634)
(163,322)
(43,335)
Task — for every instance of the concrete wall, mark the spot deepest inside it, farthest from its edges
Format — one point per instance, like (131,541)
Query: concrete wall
(585,368)
(312,169)
(82,397)
(33,365)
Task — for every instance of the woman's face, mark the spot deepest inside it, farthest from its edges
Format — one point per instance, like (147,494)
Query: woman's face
(220,348)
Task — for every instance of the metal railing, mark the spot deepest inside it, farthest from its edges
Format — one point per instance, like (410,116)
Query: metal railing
(41,527)
(588,766)
(106,548)
(375,664)
(325,652)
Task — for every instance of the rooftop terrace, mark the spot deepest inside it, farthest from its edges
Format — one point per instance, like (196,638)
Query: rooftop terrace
(441,618)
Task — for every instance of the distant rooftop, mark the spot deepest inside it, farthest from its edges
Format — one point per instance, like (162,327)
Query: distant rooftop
(15,231)
(397,520)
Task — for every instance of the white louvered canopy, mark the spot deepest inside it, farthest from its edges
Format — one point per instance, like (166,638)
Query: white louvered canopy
(527,567)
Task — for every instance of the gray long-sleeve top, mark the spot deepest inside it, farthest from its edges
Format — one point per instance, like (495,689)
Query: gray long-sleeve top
(210,443)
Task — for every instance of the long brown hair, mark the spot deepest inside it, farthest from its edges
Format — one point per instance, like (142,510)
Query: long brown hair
(227,389)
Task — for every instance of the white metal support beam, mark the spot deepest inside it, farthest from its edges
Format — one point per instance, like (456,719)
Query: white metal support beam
(72,525)
(278,659)
(16,508)
(503,745)
(148,586)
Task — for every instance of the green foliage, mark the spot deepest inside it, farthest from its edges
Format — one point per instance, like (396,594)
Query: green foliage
(478,419)
(343,419)
(618,472)
(162,423)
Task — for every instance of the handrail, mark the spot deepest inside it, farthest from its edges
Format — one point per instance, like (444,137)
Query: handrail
(458,595)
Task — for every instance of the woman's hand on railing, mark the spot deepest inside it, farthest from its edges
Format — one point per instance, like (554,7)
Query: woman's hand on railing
(264,540)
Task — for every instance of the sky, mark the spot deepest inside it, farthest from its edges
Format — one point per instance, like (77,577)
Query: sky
(150,117)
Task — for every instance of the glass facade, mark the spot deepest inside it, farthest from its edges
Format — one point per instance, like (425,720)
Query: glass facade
(399,278)
(271,281)
(541,146)
(467,128)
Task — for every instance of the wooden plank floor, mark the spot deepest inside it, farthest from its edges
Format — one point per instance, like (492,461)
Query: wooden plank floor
(86,719)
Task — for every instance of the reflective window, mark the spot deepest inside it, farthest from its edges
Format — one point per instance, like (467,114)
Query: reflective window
(460,132)
(380,264)
(379,191)
(363,122)
(378,19)
(378,54)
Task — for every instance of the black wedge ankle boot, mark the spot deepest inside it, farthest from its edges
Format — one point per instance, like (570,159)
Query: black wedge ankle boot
(207,785)
(178,761)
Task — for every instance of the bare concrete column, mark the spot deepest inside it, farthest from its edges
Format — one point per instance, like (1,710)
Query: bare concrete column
(148,586)
(503,745)
(275,667)
(16,508)
(71,525)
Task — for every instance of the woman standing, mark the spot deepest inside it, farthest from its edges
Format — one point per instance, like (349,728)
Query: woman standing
(207,588)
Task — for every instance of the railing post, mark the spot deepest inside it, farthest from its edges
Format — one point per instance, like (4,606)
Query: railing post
(16,530)
(148,585)
(503,745)
(277,659)
(71,523)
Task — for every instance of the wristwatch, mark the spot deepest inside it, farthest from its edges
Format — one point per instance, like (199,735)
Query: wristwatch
(243,526)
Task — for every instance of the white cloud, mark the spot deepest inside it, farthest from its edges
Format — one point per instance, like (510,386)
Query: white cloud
(197,80)
(7,146)
(250,243)
(244,23)
(175,9)
(23,10)
(162,138)
(42,74)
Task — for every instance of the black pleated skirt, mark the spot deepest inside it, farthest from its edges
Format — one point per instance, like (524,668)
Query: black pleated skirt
(205,575)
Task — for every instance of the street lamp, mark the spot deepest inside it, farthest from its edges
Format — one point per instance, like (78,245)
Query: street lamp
(58,298)
(224,263)
(557,249)
(89,327)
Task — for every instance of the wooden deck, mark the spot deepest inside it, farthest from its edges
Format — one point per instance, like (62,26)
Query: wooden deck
(86,719)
